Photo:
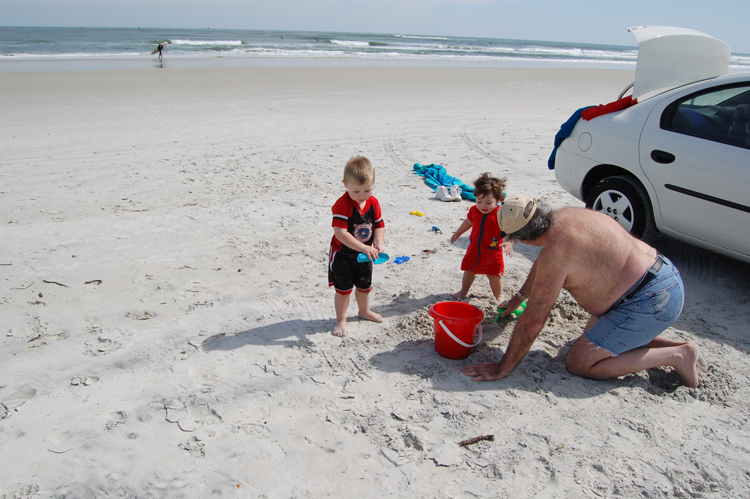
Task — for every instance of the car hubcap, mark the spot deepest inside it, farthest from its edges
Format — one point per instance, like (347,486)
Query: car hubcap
(616,206)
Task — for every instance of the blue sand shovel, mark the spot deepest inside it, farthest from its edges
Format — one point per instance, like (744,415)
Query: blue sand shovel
(362,258)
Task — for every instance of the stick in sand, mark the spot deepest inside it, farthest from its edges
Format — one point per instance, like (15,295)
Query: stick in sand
(474,440)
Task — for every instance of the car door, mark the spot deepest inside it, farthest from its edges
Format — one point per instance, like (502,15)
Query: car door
(698,169)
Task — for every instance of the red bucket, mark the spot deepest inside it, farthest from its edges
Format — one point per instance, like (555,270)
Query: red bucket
(455,326)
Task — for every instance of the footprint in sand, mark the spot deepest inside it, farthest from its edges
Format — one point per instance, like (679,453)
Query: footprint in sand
(67,440)
(117,418)
(15,400)
(104,344)
(190,415)
(194,447)
(84,380)
(141,315)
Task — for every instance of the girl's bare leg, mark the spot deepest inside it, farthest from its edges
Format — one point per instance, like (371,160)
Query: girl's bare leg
(496,285)
(466,282)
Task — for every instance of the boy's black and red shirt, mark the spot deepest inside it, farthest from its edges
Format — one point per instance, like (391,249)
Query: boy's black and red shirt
(359,223)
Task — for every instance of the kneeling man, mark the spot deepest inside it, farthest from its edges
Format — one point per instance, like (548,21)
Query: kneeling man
(632,292)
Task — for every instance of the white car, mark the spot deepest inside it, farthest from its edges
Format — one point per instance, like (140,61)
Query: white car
(678,160)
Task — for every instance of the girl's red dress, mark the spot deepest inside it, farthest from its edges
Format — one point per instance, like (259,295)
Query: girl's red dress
(484,254)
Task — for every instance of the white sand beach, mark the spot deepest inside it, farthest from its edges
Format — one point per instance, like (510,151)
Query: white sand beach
(166,319)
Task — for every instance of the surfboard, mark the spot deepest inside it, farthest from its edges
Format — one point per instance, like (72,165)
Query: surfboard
(162,45)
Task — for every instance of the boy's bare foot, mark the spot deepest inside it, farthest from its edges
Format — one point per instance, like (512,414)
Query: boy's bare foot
(340,329)
(371,316)
(691,365)
(460,294)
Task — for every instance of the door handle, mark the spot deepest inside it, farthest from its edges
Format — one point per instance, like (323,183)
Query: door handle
(662,157)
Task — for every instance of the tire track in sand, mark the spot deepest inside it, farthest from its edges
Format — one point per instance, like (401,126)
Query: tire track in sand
(477,146)
(394,148)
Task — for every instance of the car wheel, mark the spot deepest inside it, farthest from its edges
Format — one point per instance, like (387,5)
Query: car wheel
(625,200)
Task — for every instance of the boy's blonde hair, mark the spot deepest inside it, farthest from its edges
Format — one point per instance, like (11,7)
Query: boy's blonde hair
(359,170)
(487,184)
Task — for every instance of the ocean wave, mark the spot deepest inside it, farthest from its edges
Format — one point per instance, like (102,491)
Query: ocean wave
(740,60)
(211,43)
(579,52)
(268,52)
(303,51)
(422,37)
(21,56)
(351,43)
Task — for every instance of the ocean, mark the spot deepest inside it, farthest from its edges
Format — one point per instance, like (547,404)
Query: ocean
(58,49)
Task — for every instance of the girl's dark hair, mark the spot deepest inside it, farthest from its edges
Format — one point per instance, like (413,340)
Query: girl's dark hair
(487,184)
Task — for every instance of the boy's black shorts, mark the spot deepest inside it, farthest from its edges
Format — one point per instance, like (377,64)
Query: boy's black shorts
(345,272)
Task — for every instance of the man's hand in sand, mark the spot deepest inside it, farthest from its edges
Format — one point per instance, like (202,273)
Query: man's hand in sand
(487,371)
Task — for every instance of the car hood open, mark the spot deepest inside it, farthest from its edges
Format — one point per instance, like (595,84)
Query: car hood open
(669,57)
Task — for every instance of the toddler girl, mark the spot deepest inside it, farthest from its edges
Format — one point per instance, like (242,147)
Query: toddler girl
(485,252)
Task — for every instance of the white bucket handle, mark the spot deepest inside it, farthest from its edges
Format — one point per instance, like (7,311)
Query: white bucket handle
(459,341)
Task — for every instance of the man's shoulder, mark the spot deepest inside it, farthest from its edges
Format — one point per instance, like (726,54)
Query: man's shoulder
(571,211)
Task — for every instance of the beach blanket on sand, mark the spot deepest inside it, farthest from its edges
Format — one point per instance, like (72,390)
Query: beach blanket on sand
(435,176)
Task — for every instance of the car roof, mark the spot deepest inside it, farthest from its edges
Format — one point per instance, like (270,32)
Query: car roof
(669,57)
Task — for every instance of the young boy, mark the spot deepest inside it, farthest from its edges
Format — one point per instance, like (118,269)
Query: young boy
(358,227)
(485,252)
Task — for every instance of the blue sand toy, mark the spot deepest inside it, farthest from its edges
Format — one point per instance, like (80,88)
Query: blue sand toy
(401,259)
(362,258)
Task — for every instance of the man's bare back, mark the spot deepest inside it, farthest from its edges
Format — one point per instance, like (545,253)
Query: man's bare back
(598,260)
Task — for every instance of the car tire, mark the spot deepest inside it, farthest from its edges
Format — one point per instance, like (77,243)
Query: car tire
(625,200)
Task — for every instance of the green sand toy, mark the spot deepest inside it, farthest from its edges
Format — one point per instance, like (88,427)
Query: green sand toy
(517,312)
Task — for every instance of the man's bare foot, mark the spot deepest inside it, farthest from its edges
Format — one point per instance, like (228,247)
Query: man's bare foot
(691,365)
(340,329)
(371,316)
(460,294)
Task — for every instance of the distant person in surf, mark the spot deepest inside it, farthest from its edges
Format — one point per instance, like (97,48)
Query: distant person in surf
(160,48)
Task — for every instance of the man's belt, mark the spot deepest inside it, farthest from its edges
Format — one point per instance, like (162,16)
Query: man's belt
(648,277)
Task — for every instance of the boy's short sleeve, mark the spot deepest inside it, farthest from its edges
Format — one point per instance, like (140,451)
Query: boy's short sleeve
(341,211)
(379,222)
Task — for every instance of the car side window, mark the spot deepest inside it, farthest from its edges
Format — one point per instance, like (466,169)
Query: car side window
(720,115)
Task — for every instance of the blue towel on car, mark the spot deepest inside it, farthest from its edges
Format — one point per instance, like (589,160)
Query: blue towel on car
(565,130)
(435,176)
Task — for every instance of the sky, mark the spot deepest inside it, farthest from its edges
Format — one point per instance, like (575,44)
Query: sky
(577,21)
